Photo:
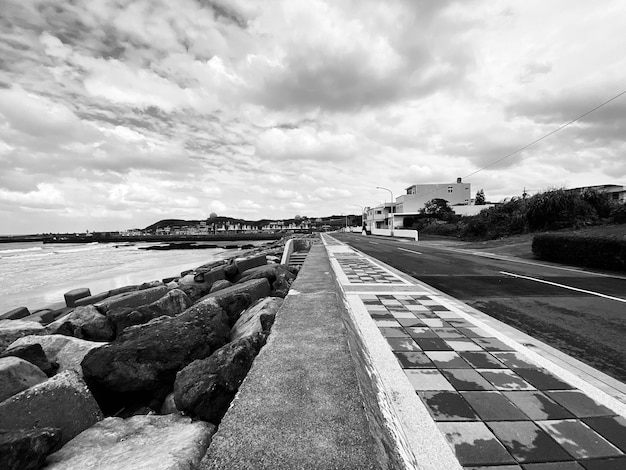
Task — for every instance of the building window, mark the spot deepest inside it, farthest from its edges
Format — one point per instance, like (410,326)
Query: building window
(450,189)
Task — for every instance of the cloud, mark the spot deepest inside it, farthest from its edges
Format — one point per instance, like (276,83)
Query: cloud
(304,143)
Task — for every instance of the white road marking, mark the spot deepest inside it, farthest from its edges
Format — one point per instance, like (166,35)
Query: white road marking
(410,251)
(520,261)
(618,299)
(373,243)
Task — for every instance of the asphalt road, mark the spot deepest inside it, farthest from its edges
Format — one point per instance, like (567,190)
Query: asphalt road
(580,312)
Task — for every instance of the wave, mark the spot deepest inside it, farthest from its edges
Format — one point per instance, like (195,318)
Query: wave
(21,250)
(87,247)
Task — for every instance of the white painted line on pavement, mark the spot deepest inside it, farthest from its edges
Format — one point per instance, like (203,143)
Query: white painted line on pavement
(618,299)
(373,243)
(410,251)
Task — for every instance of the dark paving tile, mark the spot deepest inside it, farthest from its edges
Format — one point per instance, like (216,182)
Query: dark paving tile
(420,297)
(474,444)
(481,360)
(448,333)
(414,360)
(382,316)
(472,332)
(397,308)
(459,323)
(579,404)
(493,406)
(542,379)
(448,406)
(618,463)
(570,465)
(393,332)
(505,379)
(447,360)
(424,380)
(527,442)
(612,428)
(439,308)
(464,344)
(435,322)
(495,467)
(537,406)
(402,344)
(578,439)
(410,322)
(466,379)
(421,332)
(432,344)
(515,360)
(493,344)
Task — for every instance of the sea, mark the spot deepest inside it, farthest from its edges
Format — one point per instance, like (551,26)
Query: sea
(36,275)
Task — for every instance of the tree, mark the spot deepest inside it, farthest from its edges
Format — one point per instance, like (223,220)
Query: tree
(480,198)
(438,208)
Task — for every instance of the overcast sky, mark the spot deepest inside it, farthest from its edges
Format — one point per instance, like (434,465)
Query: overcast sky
(115,114)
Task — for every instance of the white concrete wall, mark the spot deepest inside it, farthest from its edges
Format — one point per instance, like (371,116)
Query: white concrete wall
(397,233)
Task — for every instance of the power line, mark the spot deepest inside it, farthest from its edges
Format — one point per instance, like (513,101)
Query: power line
(547,135)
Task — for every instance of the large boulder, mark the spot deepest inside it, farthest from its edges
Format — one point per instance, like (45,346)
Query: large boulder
(85,323)
(258,318)
(10,330)
(244,264)
(15,314)
(27,449)
(278,275)
(152,442)
(219,285)
(68,352)
(133,299)
(206,387)
(16,375)
(171,304)
(236,298)
(141,364)
(63,402)
(34,354)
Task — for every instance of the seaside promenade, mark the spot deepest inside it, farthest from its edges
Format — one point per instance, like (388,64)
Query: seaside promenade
(369,368)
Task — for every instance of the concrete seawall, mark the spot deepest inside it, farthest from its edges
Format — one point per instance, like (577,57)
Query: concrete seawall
(300,405)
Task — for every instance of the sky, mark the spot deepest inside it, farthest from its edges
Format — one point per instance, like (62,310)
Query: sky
(116,114)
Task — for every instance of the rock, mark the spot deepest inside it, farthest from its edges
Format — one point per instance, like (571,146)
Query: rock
(231,272)
(273,259)
(236,298)
(43,316)
(194,290)
(207,386)
(132,299)
(10,330)
(85,323)
(154,442)
(34,354)
(243,264)
(66,351)
(219,285)
(169,405)
(15,314)
(278,275)
(16,375)
(72,296)
(63,402)
(142,362)
(92,299)
(27,449)
(171,304)
(256,319)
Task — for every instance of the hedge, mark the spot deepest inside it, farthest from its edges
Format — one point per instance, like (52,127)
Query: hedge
(596,252)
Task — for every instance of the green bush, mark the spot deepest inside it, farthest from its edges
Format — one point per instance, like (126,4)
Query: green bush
(578,250)
(618,214)
(557,209)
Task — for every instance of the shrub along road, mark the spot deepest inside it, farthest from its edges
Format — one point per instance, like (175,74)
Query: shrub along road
(578,311)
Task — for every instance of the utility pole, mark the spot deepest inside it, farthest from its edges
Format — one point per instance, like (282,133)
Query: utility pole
(391,208)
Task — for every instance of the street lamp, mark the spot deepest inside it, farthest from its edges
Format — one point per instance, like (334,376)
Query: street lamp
(391,209)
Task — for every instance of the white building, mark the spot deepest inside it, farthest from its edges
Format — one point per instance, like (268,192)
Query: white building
(418,195)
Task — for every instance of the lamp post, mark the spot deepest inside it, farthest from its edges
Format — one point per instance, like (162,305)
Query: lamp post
(362,211)
(391,209)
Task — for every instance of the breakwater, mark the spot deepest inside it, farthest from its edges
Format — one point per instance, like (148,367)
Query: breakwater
(134,365)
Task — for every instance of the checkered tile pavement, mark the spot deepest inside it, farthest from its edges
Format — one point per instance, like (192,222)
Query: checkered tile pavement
(362,271)
(497,409)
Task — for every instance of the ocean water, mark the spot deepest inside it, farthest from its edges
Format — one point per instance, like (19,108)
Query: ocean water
(35,275)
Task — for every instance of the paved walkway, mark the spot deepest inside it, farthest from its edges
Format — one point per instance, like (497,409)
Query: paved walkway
(462,393)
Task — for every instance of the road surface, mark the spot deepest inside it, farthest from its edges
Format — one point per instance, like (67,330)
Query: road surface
(580,312)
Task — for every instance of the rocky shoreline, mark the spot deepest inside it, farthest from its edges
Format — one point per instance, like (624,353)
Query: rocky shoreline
(138,377)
